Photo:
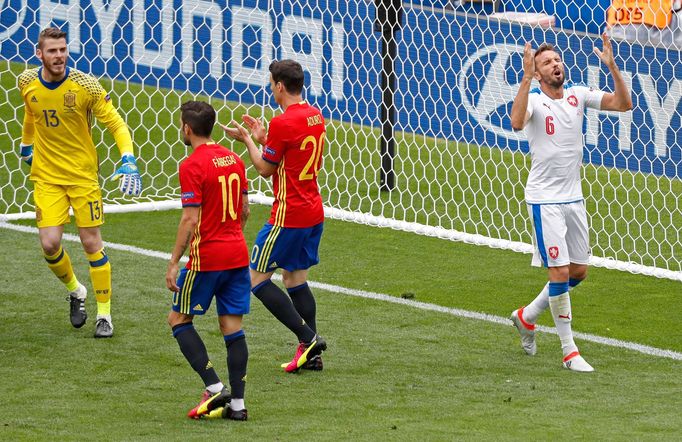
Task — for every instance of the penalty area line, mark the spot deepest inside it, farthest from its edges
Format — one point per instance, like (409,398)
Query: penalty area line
(640,348)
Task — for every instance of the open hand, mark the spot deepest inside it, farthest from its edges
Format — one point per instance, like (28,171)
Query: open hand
(605,55)
(237,131)
(256,127)
(528,61)
(128,176)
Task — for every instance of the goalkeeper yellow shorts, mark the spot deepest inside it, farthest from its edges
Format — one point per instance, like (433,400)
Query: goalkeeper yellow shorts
(52,203)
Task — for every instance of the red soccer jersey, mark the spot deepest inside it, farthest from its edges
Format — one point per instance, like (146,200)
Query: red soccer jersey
(295,144)
(214,179)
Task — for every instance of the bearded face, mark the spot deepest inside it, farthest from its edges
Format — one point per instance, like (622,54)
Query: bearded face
(53,53)
(549,69)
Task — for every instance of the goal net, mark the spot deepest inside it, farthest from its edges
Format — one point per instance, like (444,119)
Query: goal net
(447,164)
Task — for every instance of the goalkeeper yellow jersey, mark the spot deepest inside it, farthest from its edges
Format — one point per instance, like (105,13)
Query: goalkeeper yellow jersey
(58,121)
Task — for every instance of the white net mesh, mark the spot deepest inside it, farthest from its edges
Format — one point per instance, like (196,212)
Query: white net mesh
(458,168)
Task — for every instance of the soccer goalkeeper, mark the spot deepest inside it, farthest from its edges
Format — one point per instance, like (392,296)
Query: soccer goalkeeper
(57,145)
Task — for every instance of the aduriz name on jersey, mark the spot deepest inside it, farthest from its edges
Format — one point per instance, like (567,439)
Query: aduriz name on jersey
(314,120)
(224,161)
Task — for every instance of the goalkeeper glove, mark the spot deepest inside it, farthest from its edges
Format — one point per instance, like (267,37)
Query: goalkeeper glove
(128,177)
(26,153)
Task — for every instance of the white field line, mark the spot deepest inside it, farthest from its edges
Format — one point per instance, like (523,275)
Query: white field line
(645,349)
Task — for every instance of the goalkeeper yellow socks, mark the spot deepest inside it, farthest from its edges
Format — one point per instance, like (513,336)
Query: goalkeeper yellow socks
(60,264)
(100,274)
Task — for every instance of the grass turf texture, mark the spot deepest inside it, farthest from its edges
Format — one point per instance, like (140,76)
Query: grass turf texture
(438,183)
(392,372)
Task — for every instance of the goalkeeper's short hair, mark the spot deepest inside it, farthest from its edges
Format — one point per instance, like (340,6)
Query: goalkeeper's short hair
(50,33)
(199,116)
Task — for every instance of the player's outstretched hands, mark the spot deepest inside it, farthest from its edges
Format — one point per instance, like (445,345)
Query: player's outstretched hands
(256,127)
(236,131)
(605,55)
(528,61)
(26,153)
(128,176)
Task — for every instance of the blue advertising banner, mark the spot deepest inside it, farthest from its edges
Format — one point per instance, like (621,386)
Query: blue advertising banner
(457,74)
(471,71)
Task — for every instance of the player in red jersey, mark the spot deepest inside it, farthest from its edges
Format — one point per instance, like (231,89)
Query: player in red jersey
(214,211)
(292,156)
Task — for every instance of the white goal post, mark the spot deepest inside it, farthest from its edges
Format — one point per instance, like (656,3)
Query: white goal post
(438,158)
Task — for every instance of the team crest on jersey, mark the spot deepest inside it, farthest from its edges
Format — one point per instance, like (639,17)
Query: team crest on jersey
(69,99)
(573,100)
(554,252)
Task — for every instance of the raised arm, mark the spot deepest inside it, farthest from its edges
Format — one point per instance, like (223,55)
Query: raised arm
(619,99)
(519,111)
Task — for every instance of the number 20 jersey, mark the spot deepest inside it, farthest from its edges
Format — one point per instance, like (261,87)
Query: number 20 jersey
(555,138)
(295,143)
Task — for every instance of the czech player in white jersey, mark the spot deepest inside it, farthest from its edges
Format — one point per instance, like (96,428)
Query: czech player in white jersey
(553,118)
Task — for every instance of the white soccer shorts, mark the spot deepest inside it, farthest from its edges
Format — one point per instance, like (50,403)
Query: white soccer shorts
(560,234)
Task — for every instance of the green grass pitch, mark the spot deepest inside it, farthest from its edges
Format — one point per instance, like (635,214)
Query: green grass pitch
(392,372)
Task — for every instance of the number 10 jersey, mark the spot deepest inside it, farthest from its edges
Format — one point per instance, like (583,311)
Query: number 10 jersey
(214,179)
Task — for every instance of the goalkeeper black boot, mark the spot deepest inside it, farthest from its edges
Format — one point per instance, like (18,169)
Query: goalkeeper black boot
(77,312)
